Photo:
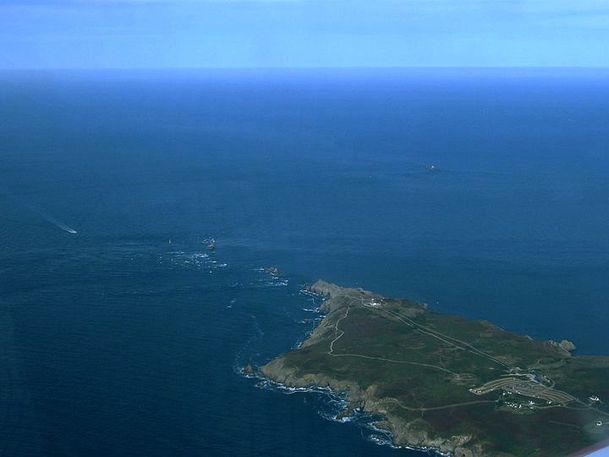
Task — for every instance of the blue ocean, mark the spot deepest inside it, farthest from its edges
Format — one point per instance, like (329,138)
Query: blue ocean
(483,193)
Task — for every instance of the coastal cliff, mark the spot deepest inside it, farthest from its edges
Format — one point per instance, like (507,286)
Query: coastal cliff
(404,434)
(440,382)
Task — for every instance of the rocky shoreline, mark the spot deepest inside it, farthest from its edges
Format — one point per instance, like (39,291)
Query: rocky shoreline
(440,383)
(403,435)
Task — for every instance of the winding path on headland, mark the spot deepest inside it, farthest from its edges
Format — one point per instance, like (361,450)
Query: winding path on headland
(454,342)
(436,408)
(382,359)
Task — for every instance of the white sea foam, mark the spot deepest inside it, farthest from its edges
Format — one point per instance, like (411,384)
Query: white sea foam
(380,440)
(195,260)
(308,293)
(335,410)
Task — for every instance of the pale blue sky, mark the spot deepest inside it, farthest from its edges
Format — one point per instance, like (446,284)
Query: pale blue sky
(302,33)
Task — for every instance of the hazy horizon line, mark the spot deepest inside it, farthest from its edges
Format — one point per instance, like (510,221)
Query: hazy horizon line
(309,68)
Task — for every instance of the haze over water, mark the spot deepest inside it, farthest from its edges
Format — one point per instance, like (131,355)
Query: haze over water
(125,338)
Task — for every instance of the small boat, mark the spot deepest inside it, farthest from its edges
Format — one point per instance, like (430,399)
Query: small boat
(211,244)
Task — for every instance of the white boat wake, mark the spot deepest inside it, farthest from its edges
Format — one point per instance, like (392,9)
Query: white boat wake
(56,223)
(52,220)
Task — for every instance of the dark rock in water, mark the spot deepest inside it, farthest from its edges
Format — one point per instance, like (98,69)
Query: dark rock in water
(248,370)
(211,244)
(273,271)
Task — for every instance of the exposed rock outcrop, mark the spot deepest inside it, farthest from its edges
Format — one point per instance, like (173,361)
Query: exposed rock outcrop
(567,345)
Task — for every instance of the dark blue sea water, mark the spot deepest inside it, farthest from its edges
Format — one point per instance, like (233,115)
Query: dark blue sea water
(116,341)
